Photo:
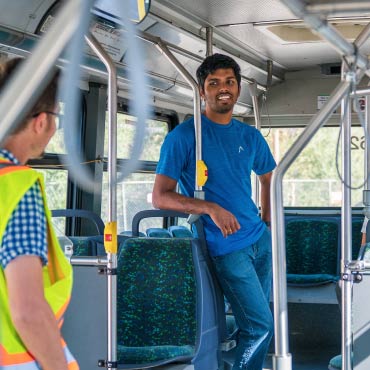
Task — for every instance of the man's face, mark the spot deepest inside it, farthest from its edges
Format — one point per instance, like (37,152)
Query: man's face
(221,91)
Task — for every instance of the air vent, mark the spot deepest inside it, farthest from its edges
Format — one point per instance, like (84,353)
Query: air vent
(331,69)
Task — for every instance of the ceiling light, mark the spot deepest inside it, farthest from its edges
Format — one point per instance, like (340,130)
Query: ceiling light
(288,32)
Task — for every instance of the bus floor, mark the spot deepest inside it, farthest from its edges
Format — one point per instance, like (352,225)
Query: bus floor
(301,359)
(314,337)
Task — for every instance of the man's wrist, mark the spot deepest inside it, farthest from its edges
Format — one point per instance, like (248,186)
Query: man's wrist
(268,223)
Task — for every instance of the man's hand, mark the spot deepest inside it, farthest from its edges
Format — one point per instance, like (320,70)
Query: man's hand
(224,220)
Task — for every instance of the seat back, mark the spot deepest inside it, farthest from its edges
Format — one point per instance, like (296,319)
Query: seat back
(158,232)
(356,236)
(312,250)
(83,214)
(178,231)
(166,310)
(148,294)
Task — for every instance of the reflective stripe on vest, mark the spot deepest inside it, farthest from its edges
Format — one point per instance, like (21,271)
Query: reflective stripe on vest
(26,362)
(15,181)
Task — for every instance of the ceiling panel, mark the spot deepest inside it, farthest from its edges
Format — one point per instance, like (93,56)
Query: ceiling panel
(219,12)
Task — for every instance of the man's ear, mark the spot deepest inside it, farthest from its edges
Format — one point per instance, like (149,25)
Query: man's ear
(201,92)
(38,123)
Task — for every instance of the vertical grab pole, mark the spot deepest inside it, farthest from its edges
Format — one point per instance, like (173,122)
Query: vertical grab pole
(201,172)
(110,231)
(209,41)
(36,71)
(346,225)
(257,119)
(282,359)
(366,193)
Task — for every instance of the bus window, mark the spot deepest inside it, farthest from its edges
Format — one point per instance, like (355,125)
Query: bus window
(133,195)
(56,144)
(56,182)
(312,180)
(156,132)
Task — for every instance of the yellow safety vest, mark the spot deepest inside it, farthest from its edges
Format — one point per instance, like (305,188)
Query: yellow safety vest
(57,274)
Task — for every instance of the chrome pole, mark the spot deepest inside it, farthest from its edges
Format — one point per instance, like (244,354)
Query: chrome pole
(209,41)
(112,194)
(282,358)
(346,225)
(197,113)
(257,120)
(35,73)
(327,31)
(364,35)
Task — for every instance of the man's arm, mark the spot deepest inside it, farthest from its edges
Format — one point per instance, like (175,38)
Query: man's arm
(31,314)
(166,197)
(265,181)
(363,238)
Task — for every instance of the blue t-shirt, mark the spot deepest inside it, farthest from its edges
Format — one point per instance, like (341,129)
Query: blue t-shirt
(231,152)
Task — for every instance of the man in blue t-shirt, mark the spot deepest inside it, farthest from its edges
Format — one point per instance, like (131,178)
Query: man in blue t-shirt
(239,241)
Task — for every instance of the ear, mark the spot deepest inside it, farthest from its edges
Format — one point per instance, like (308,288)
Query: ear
(39,123)
(201,92)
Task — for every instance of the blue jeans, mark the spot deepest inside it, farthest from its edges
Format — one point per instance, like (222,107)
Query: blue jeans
(245,276)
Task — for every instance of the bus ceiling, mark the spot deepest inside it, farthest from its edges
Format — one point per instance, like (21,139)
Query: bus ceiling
(264,36)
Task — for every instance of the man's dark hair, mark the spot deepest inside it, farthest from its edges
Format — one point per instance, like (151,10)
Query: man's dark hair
(46,102)
(217,61)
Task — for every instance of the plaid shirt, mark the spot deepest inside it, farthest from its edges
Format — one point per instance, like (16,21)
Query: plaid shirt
(25,233)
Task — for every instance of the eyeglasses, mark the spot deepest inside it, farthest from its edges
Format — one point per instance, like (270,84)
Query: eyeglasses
(58,118)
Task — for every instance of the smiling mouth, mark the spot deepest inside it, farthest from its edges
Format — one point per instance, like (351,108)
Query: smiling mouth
(224,97)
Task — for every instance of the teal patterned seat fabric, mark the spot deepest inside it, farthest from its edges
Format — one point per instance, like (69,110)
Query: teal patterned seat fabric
(312,251)
(158,232)
(156,300)
(180,232)
(83,246)
(91,245)
(129,233)
(356,236)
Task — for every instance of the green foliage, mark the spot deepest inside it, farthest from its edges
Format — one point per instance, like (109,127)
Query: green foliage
(313,180)
(155,134)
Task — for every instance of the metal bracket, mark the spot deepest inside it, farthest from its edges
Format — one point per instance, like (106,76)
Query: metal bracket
(227,345)
(108,364)
(107,271)
(355,277)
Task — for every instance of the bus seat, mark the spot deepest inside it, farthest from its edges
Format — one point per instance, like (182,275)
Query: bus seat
(83,246)
(158,232)
(129,233)
(180,232)
(92,245)
(81,213)
(356,235)
(160,318)
(312,250)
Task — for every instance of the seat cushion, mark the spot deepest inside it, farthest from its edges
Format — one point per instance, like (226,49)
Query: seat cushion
(142,355)
(311,280)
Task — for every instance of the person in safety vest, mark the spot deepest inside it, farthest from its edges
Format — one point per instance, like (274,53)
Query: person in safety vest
(35,277)
(238,239)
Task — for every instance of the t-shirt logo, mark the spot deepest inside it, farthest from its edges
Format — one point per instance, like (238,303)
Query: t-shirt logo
(241,149)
